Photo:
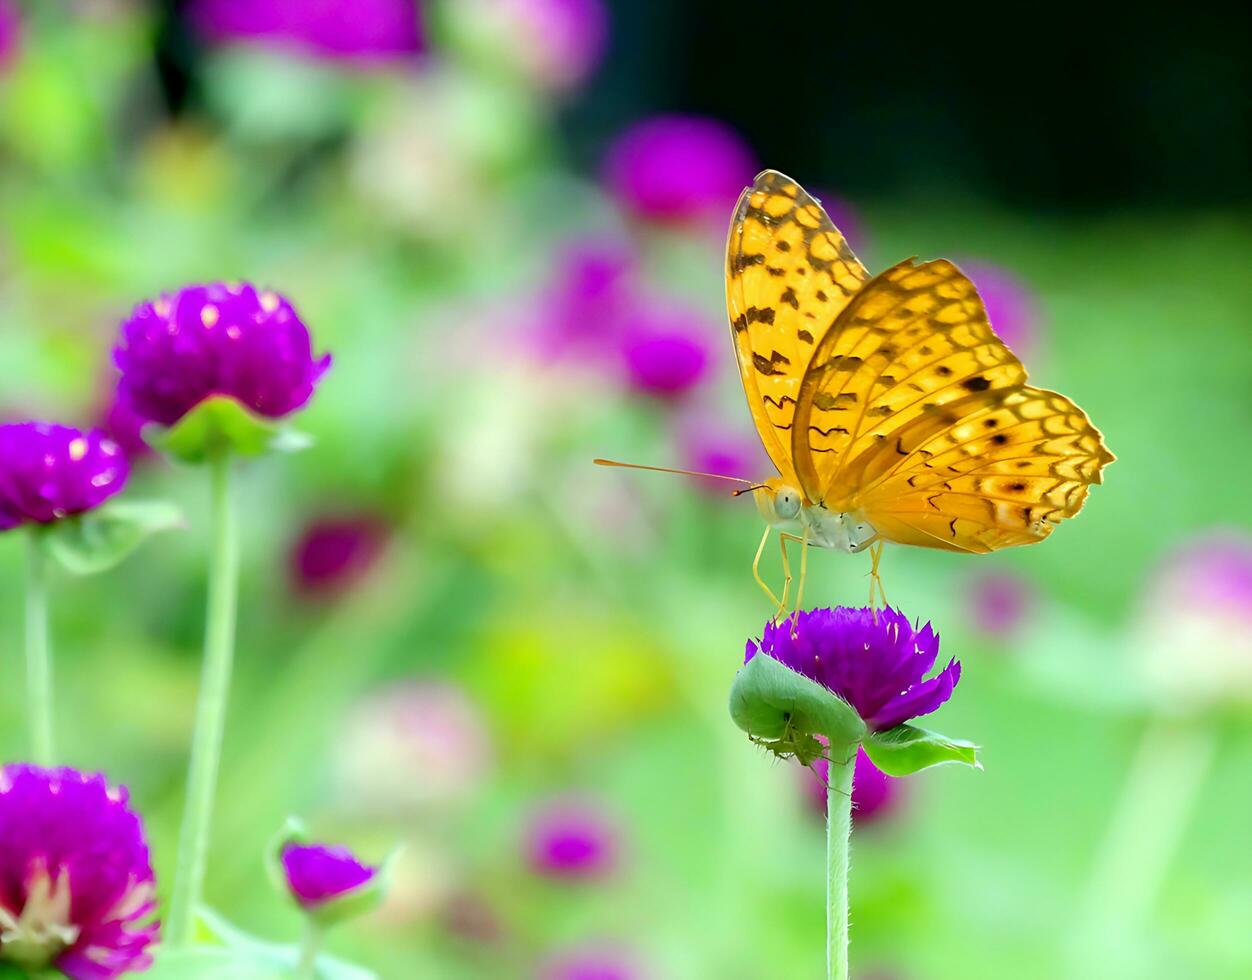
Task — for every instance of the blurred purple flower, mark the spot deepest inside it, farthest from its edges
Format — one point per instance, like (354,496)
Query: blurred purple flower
(332,553)
(679,168)
(666,349)
(708,446)
(571,839)
(558,42)
(48,472)
(124,426)
(1010,303)
(582,312)
(216,339)
(1194,633)
(998,603)
(318,873)
(590,963)
(874,660)
(338,30)
(10,33)
(874,793)
(76,883)
(412,746)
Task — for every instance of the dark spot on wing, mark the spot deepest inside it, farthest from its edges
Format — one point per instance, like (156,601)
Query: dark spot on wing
(976,384)
(789,297)
(743,261)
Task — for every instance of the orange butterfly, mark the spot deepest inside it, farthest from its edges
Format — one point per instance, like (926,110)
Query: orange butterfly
(889,406)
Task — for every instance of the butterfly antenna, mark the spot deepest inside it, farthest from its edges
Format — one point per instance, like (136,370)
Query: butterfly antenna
(666,469)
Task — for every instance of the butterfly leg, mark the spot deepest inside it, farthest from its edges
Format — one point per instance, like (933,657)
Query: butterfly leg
(783,537)
(875,580)
(756,571)
(804,563)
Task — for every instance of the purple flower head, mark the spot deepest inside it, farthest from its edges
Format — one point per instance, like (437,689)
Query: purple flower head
(582,311)
(874,793)
(1010,305)
(125,427)
(666,350)
(48,472)
(217,339)
(337,30)
(318,873)
(9,33)
(591,963)
(571,839)
(679,168)
(708,446)
(999,603)
(1212,571)
(76,883)
(874,660)
(557,42)
(333,552)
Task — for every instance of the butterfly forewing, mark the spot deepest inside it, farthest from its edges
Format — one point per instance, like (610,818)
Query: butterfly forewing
(789,273)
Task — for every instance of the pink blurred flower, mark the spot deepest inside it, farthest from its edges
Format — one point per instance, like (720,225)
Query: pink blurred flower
(1011,305)
(10,33)
(591,962)
(679,168)
(333,552)
(338,30)
(582,311)
(571,839)
(709,446)
(998,603)
(874,793)
(558,43)
(666,349)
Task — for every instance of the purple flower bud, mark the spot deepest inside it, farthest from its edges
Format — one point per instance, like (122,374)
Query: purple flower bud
(873,659)
(571,839)
(10,26)
(337,30)
(317,873)
(332,553)
(1010,305)
(679,168)
(666,350)
(48,472)
(999,603)
(591,963)
(874,793)
(216,339)
(76,883)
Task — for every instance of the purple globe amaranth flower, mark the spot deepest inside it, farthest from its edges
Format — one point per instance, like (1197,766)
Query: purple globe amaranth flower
(873,659)
(708,446)
(666,350)
(1010,304)
(679,168)
(571,839)
(1000,603)
(216,339)
(874,793)
(337,30)
(331,553)
(76,883)
(48,472)
(583,310)
(319,873)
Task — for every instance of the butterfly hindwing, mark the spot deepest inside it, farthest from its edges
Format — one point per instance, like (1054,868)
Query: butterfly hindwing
(789,273)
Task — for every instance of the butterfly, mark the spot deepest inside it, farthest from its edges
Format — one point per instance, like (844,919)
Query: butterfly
(890,408)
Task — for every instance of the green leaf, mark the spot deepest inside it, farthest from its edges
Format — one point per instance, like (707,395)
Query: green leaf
(284,956)
(904,749)
(216,963)
(221,424)
(98,539)
(775,705)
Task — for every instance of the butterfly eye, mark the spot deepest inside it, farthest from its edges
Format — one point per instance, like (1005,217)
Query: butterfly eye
(786,503)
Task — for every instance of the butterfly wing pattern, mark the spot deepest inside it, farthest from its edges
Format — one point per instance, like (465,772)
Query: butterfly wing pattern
(908,409)
(789,273)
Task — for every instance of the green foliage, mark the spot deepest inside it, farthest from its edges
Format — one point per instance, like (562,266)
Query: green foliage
(784,710)
(97,540)
(220,424)
(904,750)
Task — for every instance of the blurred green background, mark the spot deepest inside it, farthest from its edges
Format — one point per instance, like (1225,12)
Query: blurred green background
(449,618)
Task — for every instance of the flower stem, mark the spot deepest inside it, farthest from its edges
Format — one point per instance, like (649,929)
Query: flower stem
(38,653)
(206,745)
(310,946)
(1147,826)
(838,833)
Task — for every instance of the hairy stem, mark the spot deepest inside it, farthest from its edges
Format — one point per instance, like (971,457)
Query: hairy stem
(838,834)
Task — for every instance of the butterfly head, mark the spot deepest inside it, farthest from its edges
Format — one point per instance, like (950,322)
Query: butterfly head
(779,503)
